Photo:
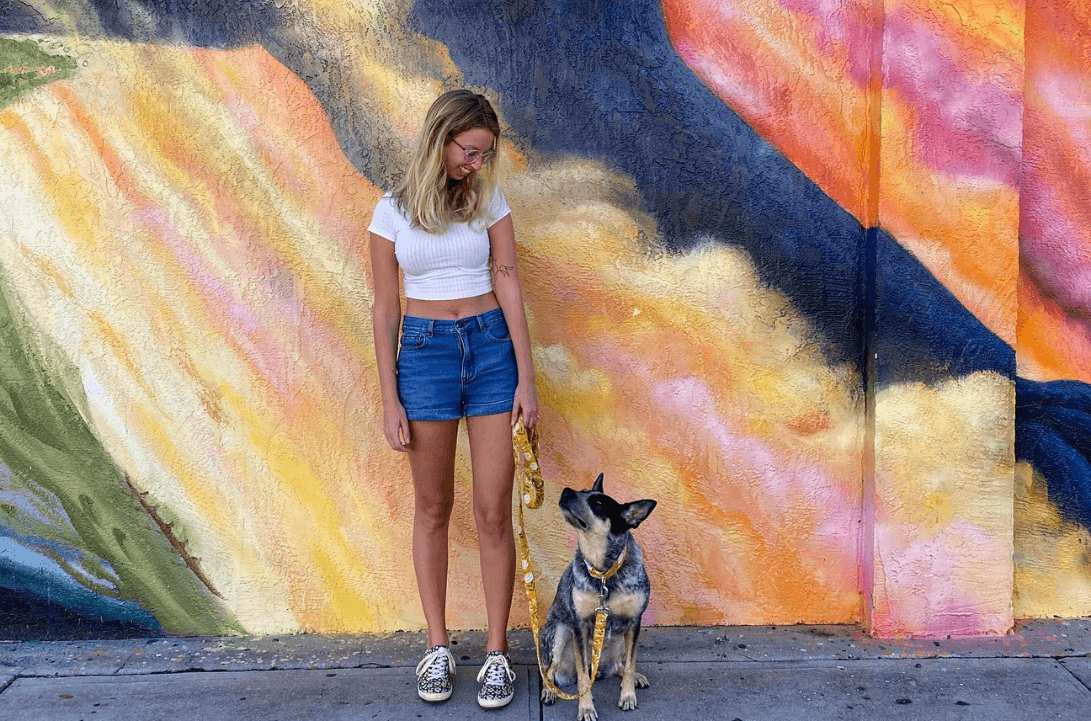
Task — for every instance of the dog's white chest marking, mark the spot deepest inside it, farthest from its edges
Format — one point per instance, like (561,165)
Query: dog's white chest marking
(626,605)
(593,546)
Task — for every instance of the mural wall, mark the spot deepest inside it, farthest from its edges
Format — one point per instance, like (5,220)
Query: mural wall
(809,273)
(1053,335)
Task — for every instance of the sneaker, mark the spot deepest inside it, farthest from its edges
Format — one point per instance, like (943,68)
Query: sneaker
(434,673)
(496,677)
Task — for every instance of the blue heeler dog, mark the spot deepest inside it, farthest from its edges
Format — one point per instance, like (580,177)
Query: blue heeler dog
(604,541)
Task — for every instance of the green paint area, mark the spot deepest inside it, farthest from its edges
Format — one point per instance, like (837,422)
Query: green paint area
(47,442)
(28,64)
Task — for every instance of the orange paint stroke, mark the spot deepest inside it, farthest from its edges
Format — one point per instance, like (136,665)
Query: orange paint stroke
(1052,346)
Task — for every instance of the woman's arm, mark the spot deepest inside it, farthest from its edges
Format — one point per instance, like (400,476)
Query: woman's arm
(386,316)
(509,293)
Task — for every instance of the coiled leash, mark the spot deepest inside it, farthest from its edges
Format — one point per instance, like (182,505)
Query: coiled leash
(531,493)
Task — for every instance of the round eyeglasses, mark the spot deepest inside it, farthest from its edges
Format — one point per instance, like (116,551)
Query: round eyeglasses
(473,154)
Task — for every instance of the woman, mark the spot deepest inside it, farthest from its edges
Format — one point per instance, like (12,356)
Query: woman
(464,351)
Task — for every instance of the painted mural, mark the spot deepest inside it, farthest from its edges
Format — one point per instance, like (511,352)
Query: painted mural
(809,273)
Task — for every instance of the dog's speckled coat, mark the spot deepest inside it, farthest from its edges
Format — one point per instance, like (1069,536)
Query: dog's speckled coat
(603,532)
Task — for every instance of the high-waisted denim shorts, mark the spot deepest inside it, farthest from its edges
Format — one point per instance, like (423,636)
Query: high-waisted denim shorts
(448,369)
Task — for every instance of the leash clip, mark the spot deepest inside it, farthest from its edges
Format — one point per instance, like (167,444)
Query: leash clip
(604,593)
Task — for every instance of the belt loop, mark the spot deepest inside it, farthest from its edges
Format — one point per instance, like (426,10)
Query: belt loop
(481,321)
(431,327)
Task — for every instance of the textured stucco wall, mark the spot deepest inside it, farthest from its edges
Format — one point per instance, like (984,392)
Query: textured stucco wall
(871,101)
(1053,576)
(777,255)
(950,117)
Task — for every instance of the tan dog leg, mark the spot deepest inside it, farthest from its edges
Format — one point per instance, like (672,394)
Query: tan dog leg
(586,711)
(630,679)
(561,641)
(548,697)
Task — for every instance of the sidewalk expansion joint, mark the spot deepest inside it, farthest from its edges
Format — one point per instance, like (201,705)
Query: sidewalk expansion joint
(533,668)
(32,674)
(5,684)
(1075,678)
(200,669)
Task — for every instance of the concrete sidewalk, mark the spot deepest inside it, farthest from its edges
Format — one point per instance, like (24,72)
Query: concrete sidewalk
(1042,671)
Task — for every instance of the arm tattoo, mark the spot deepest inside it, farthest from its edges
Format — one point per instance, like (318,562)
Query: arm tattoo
(498,269)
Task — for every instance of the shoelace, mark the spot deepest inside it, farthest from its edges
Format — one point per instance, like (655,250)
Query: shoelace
(434,662)
(495,670)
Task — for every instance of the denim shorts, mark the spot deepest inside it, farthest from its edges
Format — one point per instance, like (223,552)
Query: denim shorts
(448,369)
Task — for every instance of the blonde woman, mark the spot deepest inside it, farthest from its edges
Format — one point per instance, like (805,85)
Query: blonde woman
(464,351)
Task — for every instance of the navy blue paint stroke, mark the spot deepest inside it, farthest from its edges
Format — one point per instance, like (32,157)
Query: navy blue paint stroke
(1053,433)
(203,23)
(82,608)
(28,567)
(26,616)
(17,17)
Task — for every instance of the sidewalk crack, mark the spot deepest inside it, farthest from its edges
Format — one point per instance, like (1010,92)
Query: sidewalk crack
(1073,675)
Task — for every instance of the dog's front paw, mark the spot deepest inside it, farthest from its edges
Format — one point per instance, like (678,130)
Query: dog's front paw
(627,702)
(587,713)
(548,697)
(640,680)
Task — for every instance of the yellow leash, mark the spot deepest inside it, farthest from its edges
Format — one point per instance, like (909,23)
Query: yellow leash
(531,489)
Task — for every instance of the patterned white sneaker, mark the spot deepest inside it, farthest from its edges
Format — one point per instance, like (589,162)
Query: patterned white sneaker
(434,673)
(496,677)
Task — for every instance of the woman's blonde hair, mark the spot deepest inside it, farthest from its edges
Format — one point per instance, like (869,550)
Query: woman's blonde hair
(423,193)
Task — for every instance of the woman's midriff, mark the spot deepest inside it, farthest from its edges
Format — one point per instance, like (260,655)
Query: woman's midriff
(451,309)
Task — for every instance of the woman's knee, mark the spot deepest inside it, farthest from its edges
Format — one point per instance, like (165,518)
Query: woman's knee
(493,519)
(433,512)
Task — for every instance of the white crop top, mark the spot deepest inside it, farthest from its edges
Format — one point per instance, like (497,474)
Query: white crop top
(445,266)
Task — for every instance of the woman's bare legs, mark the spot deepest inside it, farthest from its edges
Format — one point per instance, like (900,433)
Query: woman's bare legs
(493,476)
(432,460)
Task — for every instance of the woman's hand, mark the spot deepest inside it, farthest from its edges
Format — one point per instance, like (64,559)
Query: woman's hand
(526,404)
(396,427)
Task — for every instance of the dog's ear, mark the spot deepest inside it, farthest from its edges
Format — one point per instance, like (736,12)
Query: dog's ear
(597,488)
(637,511)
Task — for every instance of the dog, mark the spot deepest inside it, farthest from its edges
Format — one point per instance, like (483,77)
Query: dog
(603,532)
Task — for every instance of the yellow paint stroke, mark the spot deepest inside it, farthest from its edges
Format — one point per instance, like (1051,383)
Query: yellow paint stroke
(944,464)
(1052,572)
